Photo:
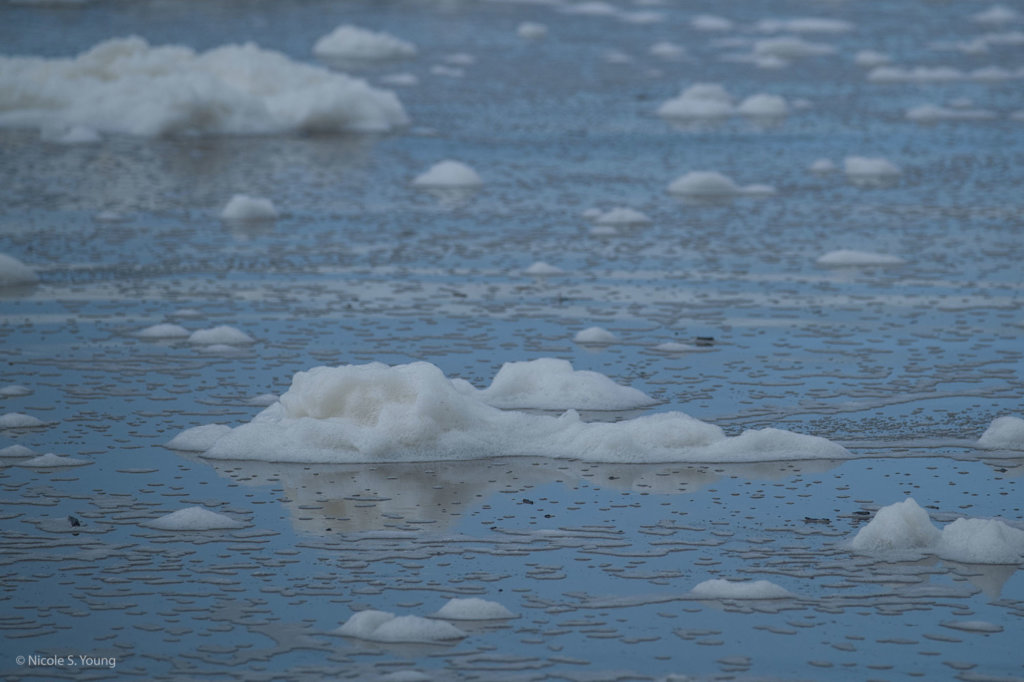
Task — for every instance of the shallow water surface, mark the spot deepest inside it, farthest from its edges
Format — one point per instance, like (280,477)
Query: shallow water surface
(905,365)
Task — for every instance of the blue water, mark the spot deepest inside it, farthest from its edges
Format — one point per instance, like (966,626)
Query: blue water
(906,366)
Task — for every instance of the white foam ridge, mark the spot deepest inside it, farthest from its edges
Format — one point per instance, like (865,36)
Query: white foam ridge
(220,335)
(165,330)
(595,336)
(15,273)
(194,518)
(713,101)
(713,185)
(17,420)
(243,207)
(850,257)
(448,173)
(1004,433)
(622,215)
(16,451)
(904,527)
(553,384)
(413,412)
(126,86)
(383,626)
(473,608)
(352,42)
(52,461)
(870,167)
(740,589)
(543,269)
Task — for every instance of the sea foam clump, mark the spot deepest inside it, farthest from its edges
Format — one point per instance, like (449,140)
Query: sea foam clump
(851,258)
(746,589)
(126,86)
(413,412)
(905,527)
(699,101)
(352,42)
(165,330)
(52,461)
(13,272)
(714,185)
(595,336)
(473,608)
(448,173)
(1004,433)
(382,626)
(622,215)
(220,335)
(243,207)
(17,420)
(553,384)
(901,526)
(194,518)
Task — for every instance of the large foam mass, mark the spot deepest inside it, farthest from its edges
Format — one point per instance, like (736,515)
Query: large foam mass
(413,412)
(126,86)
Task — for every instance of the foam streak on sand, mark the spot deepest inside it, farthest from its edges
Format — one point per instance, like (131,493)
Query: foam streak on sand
(413,412)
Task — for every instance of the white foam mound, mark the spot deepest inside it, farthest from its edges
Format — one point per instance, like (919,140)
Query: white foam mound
(552,384)
(448,173)
(822,166)
(543,269)
(126,86)
(981,541)
(930,113)
(1004,433)
(352,42)
(374,412)
(900,526)
(16,451)
(163,331)
(791,47)
(381,626)
(17,420)
(699,101)
(245,207)
(50,460)
(199,438)
(704,184)
(764,106)
(220,335)
(871,167)
(12,271)
(747,589)
(595,335)
(906,526)
(473,608)
(849,257)
(871,59)
(710,22)
(622,215)
(531,30)
(194,518)
(13,390)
